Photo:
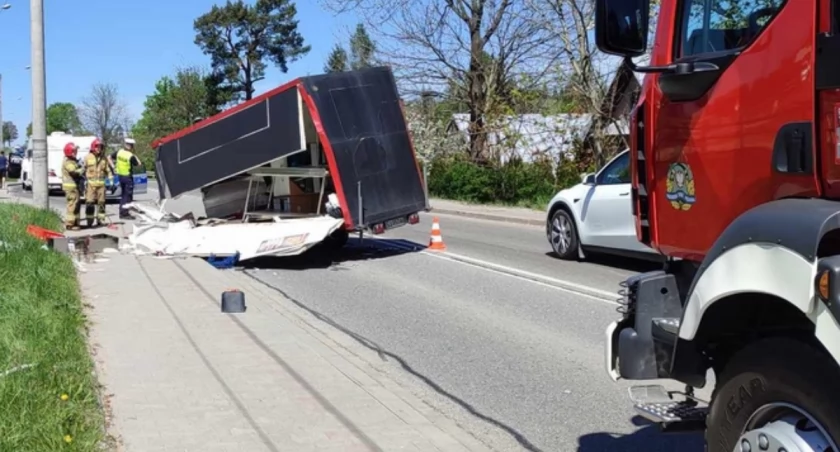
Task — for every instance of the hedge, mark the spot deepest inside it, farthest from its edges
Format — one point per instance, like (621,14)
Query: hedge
(515,183)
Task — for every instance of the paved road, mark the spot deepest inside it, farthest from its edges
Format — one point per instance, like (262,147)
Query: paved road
(524,248)
(522,356)
(519,361)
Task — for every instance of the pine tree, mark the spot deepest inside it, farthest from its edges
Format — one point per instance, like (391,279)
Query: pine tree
(337,60)
(362,49)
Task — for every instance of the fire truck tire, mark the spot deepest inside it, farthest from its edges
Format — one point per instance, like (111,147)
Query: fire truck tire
(563,235)
(778,375)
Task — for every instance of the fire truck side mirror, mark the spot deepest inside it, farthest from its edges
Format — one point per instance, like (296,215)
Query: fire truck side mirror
(621,26)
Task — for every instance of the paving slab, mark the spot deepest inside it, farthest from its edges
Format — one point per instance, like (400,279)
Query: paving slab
(182,375)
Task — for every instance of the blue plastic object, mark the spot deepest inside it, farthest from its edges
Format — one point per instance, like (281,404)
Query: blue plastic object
(223,262)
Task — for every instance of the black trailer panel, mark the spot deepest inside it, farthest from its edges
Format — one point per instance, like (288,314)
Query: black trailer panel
(363,121)
(248,137)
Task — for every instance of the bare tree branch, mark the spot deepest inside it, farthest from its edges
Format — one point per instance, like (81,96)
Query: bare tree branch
(104,113)
(473,46)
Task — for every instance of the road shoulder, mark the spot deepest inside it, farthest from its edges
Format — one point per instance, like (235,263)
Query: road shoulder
(517,215)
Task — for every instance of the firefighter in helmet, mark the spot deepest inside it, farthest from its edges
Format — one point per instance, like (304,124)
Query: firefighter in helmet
(97,171)
(71,174)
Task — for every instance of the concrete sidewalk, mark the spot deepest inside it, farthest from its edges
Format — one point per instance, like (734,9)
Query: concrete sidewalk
(519,215)
(183,376)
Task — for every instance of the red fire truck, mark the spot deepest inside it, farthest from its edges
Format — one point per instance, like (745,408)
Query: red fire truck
(735,145)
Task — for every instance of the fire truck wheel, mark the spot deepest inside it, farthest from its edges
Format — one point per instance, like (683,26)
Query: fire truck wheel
(563,236)
(774,395)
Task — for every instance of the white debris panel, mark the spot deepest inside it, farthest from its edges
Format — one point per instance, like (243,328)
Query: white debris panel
(165,234)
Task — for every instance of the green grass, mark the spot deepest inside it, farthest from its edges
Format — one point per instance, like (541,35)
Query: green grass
(42,323)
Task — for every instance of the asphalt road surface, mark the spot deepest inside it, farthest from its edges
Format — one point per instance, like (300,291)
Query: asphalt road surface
(488,330)
(516,352)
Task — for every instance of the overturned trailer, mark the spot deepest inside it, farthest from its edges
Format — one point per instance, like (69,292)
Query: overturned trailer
(334,144)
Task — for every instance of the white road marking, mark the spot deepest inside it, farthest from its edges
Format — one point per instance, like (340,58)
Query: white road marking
(522,275)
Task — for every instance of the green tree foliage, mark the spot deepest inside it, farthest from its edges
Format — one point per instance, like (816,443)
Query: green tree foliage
(178,101)
(10,133)
(362,49)
(241,37)
(337,60)
(62,117)
(217,93)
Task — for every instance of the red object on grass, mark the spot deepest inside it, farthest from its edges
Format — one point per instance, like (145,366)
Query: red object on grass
(41,233)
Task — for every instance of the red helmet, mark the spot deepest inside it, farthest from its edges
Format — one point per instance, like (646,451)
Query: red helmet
(70,149)
(95,145)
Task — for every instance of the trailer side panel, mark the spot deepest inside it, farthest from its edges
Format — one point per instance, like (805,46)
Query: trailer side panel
(264,130)
(361,116)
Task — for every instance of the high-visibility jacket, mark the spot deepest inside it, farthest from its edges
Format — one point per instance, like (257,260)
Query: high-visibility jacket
(123,165)
(70,173)
(97,170)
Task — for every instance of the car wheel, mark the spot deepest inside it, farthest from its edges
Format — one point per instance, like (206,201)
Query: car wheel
(562,234)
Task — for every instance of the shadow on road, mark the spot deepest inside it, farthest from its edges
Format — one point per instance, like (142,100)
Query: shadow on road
(646,439)
(323,256)
(621,262)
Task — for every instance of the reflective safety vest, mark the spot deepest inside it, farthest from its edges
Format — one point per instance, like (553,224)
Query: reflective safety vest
(70,172)
(96,170)
(123,166)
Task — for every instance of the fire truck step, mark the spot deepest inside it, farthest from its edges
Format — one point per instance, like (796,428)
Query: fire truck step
(675,412)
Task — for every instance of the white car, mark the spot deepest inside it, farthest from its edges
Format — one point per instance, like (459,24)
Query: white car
(596,215)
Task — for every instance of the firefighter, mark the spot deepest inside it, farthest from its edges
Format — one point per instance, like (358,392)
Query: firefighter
(97,170)
(125,160)
(71,174)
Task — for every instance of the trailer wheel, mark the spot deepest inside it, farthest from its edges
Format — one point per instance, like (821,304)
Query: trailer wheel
(776,395)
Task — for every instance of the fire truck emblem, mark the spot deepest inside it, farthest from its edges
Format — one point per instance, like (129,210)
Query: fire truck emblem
(680,186)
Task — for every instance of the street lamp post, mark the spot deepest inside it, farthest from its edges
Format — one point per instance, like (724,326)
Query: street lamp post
(5,6)
(40,193)
(1,112)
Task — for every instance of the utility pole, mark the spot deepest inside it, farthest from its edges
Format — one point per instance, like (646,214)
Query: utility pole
(40,193)
(2,143)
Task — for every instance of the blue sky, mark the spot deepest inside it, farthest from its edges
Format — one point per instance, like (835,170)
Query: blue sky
(132,44)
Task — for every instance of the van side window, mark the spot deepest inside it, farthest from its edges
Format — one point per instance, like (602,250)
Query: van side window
(710,26)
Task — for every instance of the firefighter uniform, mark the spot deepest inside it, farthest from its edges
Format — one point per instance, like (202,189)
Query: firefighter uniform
(71,172)
(97,170)
(124,159)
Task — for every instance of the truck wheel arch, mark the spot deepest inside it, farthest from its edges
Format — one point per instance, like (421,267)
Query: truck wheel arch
(774,248)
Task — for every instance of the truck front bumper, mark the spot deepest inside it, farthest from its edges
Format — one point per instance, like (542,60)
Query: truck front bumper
(637,346)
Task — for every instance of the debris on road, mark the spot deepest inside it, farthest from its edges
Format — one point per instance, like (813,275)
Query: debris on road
(163,234)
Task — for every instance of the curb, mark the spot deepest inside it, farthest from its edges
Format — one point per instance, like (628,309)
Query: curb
(487,216)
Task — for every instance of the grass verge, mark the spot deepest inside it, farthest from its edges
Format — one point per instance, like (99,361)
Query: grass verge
(48,391)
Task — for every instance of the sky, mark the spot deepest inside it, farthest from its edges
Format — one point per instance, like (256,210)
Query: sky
(131,44)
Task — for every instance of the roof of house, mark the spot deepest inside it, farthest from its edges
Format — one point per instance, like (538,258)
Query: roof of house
(531,135)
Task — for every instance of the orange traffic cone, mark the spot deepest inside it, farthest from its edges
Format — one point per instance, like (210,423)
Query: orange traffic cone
(436,240)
